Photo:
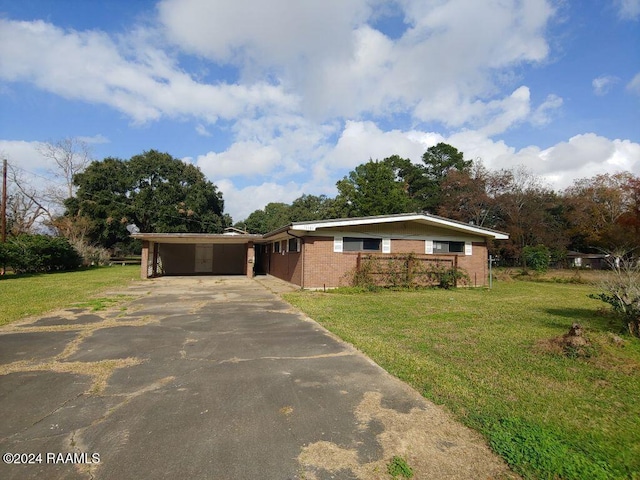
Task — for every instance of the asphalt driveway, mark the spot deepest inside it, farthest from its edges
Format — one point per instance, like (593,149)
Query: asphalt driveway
(212,378)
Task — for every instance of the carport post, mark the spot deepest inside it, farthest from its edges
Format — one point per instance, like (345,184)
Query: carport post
(154,266)
(144,260)
(251,259)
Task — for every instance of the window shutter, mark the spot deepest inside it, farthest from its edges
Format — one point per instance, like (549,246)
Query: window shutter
(337,244)
(386,245)
(468,248)
(428,247)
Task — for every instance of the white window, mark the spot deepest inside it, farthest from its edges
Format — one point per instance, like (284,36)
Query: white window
(357,244)
(447,247)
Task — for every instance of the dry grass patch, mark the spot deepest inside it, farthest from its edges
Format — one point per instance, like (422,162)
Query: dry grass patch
(29,295)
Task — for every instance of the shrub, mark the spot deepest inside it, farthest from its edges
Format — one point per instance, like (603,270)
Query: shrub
(363,276)
(405,271)
(536,258)
(39,253)
(622,291)
(452,277)
(5,254)
(91,255)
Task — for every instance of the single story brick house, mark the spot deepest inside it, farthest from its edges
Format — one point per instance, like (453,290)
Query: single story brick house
(323,253)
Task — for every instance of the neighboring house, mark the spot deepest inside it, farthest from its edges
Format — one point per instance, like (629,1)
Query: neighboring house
(594,261)
(321,253)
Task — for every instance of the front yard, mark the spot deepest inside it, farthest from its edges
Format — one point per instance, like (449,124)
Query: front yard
(487,356)
(32,294)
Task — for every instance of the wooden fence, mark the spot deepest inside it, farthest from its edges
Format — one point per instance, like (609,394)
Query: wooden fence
(406,270)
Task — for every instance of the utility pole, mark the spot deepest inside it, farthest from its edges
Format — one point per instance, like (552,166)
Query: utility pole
(3,213)
(4,200)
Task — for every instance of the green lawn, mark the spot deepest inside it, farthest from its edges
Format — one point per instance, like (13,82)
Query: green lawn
(25,295)
(485,355)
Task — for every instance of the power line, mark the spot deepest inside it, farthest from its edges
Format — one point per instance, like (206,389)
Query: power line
(38,175)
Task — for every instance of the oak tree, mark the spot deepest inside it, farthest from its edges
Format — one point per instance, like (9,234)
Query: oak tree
(155,191)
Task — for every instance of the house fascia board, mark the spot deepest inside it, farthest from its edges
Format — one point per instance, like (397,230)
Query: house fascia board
(453,236)
(420,218)
(191,238)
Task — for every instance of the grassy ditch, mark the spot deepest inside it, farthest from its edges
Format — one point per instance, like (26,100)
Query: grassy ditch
(488,355)
(25,295)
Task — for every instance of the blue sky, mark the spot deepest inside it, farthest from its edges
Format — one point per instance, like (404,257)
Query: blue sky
(276,99)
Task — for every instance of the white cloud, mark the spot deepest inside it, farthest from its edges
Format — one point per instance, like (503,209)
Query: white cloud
(441,68)
(321,59)
(269,34)
(241,159)
(202,130)
(138,80)
(603,84)
(361,141)
(544,112)
(628,9)
(508,112)
(94,140)
(240,202)
(634,85)
(25,155)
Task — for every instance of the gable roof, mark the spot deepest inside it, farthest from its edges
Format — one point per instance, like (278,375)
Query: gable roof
(423,218)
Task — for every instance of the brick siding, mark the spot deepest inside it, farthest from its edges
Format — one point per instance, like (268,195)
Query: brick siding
(325,268)
(287,266)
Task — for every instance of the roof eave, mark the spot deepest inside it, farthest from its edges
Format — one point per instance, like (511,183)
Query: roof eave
(424,218)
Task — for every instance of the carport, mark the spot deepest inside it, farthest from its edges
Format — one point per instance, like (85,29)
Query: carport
(197,254)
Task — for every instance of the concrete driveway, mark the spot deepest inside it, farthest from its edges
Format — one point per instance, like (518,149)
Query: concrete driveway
(212,378)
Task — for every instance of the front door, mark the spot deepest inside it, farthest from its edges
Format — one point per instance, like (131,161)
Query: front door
(204,258)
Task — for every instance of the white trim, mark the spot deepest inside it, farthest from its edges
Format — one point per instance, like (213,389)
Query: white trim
(425,219)
(428,247)
(386,245)
(468,248)
(337,244)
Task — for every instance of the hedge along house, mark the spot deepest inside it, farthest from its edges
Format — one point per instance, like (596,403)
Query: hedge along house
(324,253)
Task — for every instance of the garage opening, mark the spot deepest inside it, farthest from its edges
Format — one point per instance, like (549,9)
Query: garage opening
(202,259)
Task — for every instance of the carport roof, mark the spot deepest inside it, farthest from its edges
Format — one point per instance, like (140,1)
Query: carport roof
(189,238)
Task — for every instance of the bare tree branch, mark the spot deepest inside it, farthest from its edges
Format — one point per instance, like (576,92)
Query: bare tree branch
(25,205)
(70,156)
